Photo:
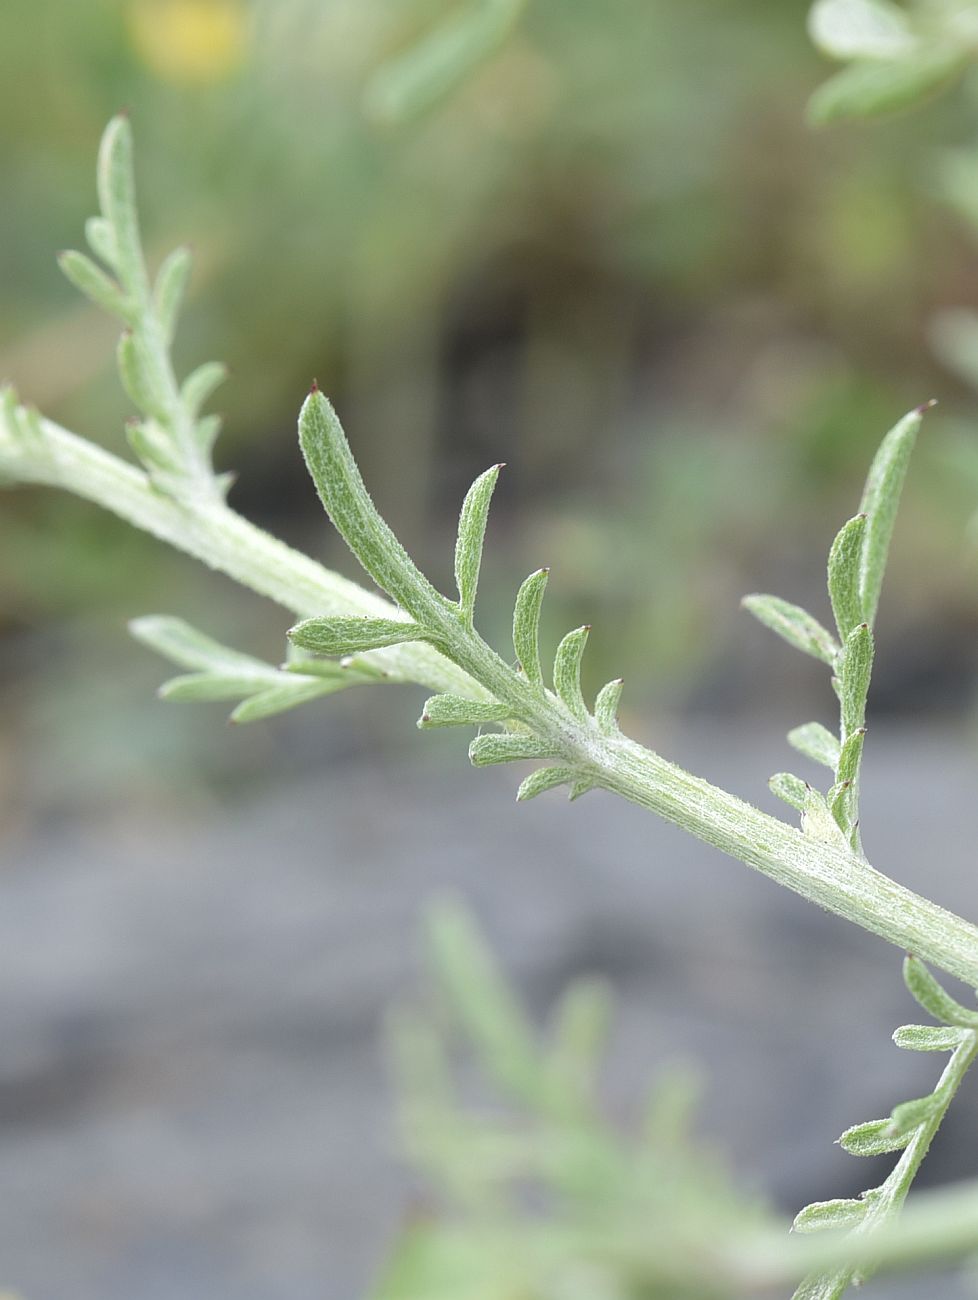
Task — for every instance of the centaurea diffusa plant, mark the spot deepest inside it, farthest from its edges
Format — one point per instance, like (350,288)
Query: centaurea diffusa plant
(348,636)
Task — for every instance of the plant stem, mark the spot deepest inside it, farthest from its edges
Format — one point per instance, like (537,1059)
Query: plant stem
(839,881)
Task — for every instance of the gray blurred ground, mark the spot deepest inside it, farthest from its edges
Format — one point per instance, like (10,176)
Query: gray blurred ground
(193,1101)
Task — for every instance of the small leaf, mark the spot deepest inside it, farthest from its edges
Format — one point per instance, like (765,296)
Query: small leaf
(526,625)
(606,707)
(567,670)
(860,29)
(345,636)
(850,756)
(580,788)
(92,281)
(183,644)
(855,671)
(868,88)
(844,575)
(794,625)
(881,497)
(579,1033)
(792,789)
(482,1000)
(200,385)
(205,434)
(507,748)
(171,285)
(279,699)
(546,778)
(909,1115)
(471,535)
(929,1038)
(206,686)
(137,377)
(818,822)
(924,988)
(873,1139)
(417,80)
(101,240)
(155,449)
(824,1215)
(454,711)
(816,742)
(117,197)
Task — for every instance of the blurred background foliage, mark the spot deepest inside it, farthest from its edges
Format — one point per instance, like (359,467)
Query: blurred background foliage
(614,256)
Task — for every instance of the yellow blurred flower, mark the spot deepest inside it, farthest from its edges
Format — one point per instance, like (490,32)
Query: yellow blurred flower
(198,41)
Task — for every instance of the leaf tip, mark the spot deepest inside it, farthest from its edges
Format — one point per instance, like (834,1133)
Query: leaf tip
(925,406)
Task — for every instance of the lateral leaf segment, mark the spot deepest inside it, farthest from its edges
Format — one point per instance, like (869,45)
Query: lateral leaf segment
(454,711)
(909,1128)
(350,636)
(526,625)
(794,625)
(567,671)
(220,673)
(471,536)
(844,575)
(881,497)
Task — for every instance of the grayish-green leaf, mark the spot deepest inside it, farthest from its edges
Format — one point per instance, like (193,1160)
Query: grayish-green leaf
(868,88)
(567,670)
(482,1000)
(924,988)
(825,1215)
(850,755)
(92,281)
(855,671)
(101,240)
(544,779)
(881,497)
(860,29)
(205,686)
(579,1033)
(845,560)
(792,789)
(286,696)
(183,644)
(347,636)
(507,748)
(873,1139)
(526,625)
(138,378)
(200,385)
(471,535)
(117,196)
(423,75)
(606,706)
(171,286)
(818,821)
(794,625)
(348,504)
(816,742)
(928,1038)
(909,1115)
(454,711)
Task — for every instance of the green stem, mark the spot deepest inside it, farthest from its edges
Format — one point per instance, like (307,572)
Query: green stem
(840,881)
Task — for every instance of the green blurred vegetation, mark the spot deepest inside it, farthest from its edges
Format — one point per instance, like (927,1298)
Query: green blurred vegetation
(612,254)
